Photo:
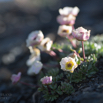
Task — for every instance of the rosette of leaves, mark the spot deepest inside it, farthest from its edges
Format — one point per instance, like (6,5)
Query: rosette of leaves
(58,87)
(62,81)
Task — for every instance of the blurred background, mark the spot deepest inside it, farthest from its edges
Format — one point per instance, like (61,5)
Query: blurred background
(19,17)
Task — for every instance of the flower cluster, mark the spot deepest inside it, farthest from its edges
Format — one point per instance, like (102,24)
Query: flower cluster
(34,41)
(67,19)
(67,15)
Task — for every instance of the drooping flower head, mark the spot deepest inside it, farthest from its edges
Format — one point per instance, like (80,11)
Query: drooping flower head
(69,10)
(68,64)
(46,80)
(66,20)
(81,34)
(64,30)
(34,38)
(35,56)
(46,44)
(35,68)
(15,77)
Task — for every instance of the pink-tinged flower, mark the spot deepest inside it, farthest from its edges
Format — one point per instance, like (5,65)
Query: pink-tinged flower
(46,80)
(68,64)
(35,68)
(35,56)
(69,10)
(66,20)
(81,34)
(15,77)
(34,38)
(46,44)
(64,30)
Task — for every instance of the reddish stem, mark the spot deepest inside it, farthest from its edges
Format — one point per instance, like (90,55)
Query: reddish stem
(28,84)
(83,50)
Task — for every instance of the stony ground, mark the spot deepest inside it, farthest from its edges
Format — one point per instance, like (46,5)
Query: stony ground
(15,25)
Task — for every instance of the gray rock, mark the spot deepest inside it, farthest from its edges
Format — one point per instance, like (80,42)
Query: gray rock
(93,97)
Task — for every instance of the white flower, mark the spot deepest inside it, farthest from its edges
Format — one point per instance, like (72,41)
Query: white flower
(34,38)
(35,56)
(64,30)
(46,44)
(75,11)
(68,64)
(35,68)
(69,10)
(66,20)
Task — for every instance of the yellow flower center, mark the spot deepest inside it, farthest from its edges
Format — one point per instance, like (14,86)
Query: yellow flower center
(45,44)
(65,31)
(69,65)
(36,51)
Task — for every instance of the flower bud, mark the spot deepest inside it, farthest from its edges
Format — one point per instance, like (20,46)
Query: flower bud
(15,77)
(46,80)
(81,34)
